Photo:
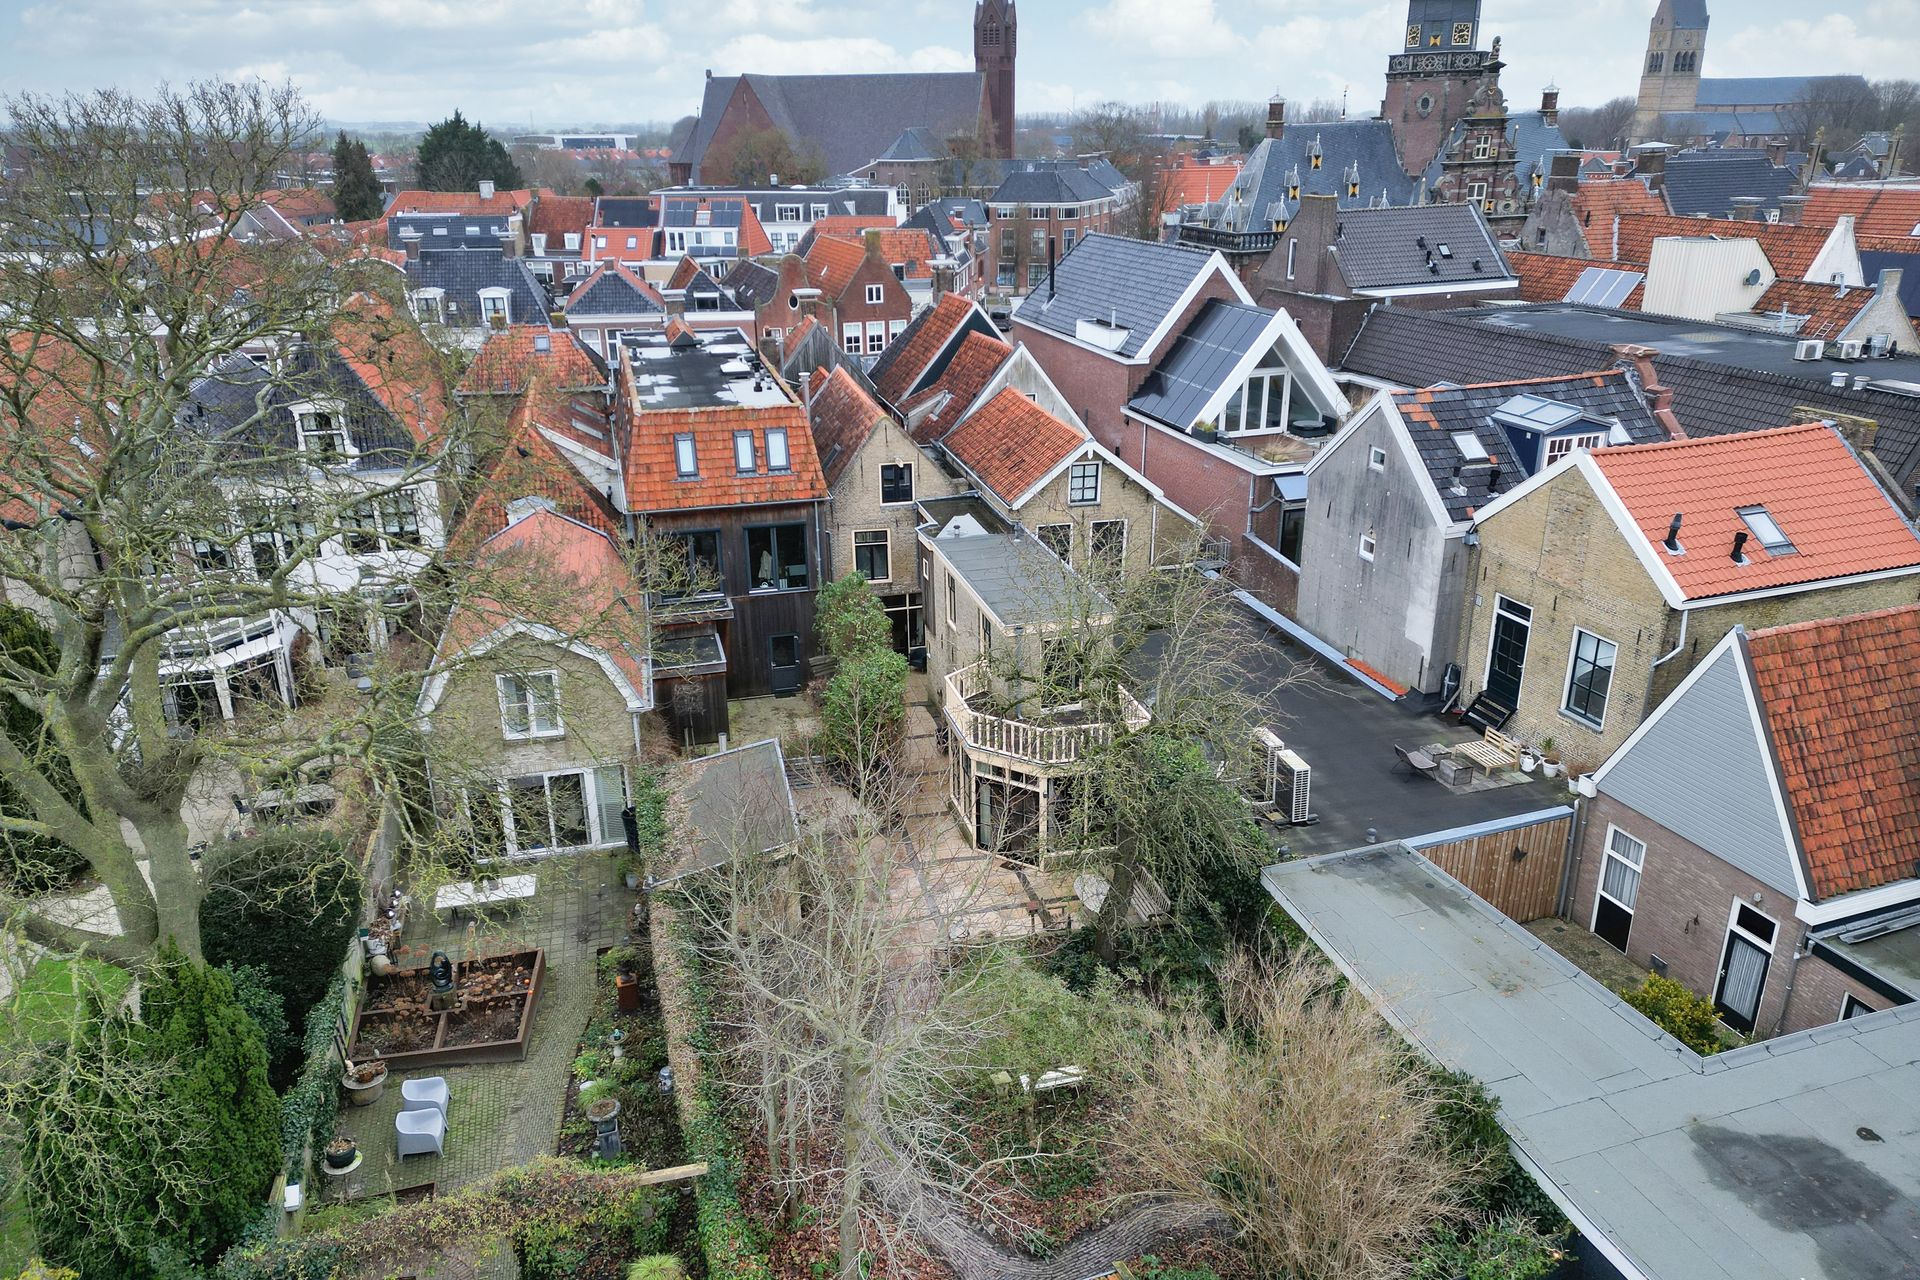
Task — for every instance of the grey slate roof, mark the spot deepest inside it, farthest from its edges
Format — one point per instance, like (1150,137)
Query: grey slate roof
(462,273)
(1382,249)
(1706,182)
(610,293)
(849,119)
(1532,138)
(1742,1166)
(737,802)
(1199,362)
(1720,125)
(1260,193)
(1040,183)
(1701,772)
(1023,583)
(1724,379)
(1690,15)
(1874,261)
(934,214)
(627,211)
(1104,173)
(226,405)
(1434,417)
(1135,283)
(448,231)
(752,283)
(1765,90)
(917,143)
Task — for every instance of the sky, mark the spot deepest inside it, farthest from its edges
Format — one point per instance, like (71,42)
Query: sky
(512,64)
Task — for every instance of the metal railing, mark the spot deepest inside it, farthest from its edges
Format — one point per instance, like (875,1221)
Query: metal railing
(1022,739)
(1203,237)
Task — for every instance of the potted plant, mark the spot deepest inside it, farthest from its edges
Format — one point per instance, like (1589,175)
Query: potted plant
(1550,759)
(364,1082)
(342,1152)
(1529,760)
(630,871)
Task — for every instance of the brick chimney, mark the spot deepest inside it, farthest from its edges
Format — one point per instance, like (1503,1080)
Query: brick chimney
(946,276)
(1651,163)
(1777,153)
(410,244)
(1792,210)
(1564,172)
(1276,117)
(1747,208)
(1550,105)
(1638,361)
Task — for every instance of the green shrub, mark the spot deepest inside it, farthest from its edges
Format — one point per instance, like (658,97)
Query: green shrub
(864,709)
(254,991)
(1504,1248)
(1678,1012)
(308,1110)
(848,619)
(662,1266)
(39,1270)
(287,901)
(650,812)
(1151,1268)
(30,863)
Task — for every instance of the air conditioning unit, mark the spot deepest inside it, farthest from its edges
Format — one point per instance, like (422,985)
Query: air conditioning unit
(1263,782)
(1880,346)
(1849,349)
(1295,788)
(1811,349)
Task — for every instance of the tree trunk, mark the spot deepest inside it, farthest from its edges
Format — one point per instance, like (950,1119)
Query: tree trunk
(1113,912)
(853,1140)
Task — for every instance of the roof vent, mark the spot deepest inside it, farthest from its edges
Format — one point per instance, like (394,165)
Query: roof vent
(1740,547)
(1672,543)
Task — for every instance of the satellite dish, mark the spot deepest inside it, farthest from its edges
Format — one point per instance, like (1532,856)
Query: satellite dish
(1753,277)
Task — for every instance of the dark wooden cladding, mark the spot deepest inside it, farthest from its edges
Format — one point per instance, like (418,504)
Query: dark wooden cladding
(758,616)
(1521,888)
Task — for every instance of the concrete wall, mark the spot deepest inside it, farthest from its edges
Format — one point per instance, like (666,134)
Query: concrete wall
(1398,612)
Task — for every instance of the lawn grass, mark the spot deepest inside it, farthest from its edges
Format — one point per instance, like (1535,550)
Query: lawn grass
(16,1235)
(48,997)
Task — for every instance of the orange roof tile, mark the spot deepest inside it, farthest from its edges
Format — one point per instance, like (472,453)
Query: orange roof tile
(1195,183)
(848,226)
(1791,250)
(1878,208)
(1828,308)
(1840,699)
(531,466)
(908,357)
(50,396)
(1596,201)
(1837,517)
(911,247)
(555,216)
(1010,444)
(964,378)
(684,272)
(831,265)
(843,416)
(511,360)
(469,202)
(398,365)
(1546,277)
(652,480)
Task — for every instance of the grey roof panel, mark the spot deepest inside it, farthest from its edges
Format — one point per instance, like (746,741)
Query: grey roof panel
(737,802)
(1382,249)
(1267,177)
(1134,283)
(462,273)
(1705,183)
(1739,91)
(1198,362)
(1701,773)
(851,120)
(1022,582)
(610,293)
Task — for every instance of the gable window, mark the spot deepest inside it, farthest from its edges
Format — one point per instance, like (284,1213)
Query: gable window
(573,242)
(1482,148)
(1367,545)
(1107,544)
(496,307)
(786,213)
(1477,192)
(777,557)
(686,465)
(429,306)
(1058,538)
(876,337)
(743,457)
(871,557)
(1561,446)
(779,458)
(1589,677)
(1083,484)
(1766,531)
(1376,459)
(323,435)
(896,483)
(530,705)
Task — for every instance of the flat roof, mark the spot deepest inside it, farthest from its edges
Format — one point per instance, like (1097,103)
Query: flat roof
(1733,345)
(700,371)
(1792,1159)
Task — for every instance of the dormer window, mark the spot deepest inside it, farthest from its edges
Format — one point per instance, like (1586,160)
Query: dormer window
(323,433)
(573,242)
(429,306)
(1561,446)
(1766,531)
(496,307)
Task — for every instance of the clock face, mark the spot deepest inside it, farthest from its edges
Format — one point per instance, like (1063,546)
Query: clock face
(1413,36)
(1463,33)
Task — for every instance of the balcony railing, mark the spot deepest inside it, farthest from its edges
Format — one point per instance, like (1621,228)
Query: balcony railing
(1042,744)
(1197,236)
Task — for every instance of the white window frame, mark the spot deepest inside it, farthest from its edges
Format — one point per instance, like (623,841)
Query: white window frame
(599,834)
(787,213)
(1075,474)
(779,455)
(1369,544)
(496,301)
(1639,870)
(881,475)
(1566,688)
(1376,458)
(1852,1006)
(851,338)
(1559,447)
(1293,257)
(335,412)
(876,294)
(1734,930)
(884,542)
(438,298)
(876,337)
(573,242)
(819,212)
(529,705)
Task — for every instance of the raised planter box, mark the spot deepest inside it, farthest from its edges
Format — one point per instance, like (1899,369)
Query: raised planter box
(469,1033)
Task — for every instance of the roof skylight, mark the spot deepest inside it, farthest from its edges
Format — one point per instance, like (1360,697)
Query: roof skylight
(1470,447)
(1766,530)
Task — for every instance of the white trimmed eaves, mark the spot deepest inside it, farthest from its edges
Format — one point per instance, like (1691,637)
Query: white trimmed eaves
(1426,290)
(1651,558)
(436,686)
(1757,716)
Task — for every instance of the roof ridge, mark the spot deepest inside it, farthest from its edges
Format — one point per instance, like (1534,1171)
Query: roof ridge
(1516,382)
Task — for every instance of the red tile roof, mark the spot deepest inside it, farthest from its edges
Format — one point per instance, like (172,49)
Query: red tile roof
(831,265)
(1595,203)
(1192,182)
(964,378)
(398,365)
(910,355)
(468,202)
(1011,443)
(531,466)
(848,226)
(1839,520)
(1546,277)
(843,417)
(1840,699)
(555,216)
(684,273)
(1791,250)
(1878,208)
(653,483)
(911,247)
(1828,308)
(509,362)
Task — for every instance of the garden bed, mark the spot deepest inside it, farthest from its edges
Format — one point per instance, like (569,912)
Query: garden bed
(490,1021)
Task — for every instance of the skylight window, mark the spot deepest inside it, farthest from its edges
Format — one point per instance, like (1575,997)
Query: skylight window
(1470,447)
(1766,531)
(1444,250)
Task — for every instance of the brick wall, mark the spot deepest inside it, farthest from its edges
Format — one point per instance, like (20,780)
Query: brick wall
(1150,526)
(856,506)
(893,310)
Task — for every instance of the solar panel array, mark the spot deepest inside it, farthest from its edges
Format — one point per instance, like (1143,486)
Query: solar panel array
(1604,286)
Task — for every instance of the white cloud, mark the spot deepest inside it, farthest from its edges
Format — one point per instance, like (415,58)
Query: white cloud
(830,56)
(1195,30)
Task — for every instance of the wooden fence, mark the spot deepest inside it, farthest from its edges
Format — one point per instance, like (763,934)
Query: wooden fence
(1517,870)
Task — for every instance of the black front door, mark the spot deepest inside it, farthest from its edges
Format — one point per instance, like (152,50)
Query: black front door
(1507,662)
(784,655)
(1743,969)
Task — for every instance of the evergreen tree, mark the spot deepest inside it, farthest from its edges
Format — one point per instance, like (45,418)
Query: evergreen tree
(457,156)
(356,191)
(29,861)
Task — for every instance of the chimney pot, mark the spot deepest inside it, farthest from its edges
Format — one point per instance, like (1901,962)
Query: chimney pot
(486,188)
(1740,547)
(1673,533)
(1276,117)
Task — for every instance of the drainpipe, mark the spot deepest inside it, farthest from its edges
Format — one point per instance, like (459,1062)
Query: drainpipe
(1661,662)
(1570,865)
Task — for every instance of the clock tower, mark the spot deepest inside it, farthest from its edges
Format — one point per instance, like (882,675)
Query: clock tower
(1432,77)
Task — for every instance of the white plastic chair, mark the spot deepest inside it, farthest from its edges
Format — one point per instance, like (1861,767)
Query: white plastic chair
(420,1132)
(426,1093)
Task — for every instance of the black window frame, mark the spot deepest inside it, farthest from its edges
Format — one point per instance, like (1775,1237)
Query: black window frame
(773,533)
(893,486)
(1581,692)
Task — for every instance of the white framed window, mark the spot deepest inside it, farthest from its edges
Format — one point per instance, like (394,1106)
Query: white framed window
(686,463)
(1470,447)
(1744,964)
(744,460)
(1376,459)
(1852,1006)
(1561,446)
(322,429)
(1477,191)
(786,213)
(895,328)
(1107,544)
(430,306)
(779,456)
(819,212)
(537,814)
(1083,484)
(1626,858)
(573,241)
(1293,257)
(1483,148)
(1058,538)
(599,242)
(1367,545)
(871,555)
(1589,678)
(633,242)
(876,294)
(496,307)
(850,339)
(388,523)
(876,337)
(530,705)
(1766,531)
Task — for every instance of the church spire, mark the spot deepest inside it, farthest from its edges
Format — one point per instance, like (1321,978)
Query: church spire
(996,31)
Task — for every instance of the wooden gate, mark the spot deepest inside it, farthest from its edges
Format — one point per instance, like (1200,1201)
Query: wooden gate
(1517,870)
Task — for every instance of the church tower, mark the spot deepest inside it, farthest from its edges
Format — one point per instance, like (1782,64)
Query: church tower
(995,45)
(1670,79)
(1431,78)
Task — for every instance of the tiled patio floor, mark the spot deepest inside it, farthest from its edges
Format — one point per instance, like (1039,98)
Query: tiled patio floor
(1588,953)
(504,1114)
